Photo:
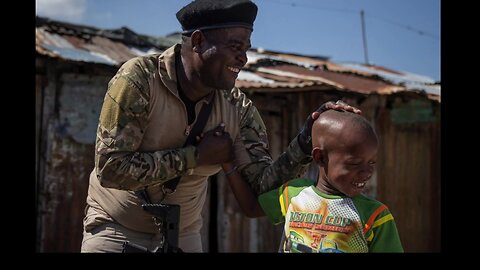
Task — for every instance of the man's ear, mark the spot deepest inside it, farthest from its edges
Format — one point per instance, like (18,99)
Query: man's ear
(319,156)
(197,40)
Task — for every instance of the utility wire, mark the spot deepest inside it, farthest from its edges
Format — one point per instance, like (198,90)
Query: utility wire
(315,7)
(409,28)
(420,32)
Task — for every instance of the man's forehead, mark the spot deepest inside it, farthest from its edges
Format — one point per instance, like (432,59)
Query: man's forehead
(231,35)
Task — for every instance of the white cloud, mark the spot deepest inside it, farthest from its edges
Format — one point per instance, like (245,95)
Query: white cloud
(65,9)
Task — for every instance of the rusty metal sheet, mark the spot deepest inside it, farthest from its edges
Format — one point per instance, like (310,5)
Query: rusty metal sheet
(53,44)
(413,82)
(81,98)
(96,49)
(115,50)
(340,81)
(248,79)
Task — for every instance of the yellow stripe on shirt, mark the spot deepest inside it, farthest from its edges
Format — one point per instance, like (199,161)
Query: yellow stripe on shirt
(382,220)
(284,196)
(371,219)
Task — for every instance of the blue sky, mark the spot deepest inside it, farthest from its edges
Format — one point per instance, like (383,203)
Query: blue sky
(401,34)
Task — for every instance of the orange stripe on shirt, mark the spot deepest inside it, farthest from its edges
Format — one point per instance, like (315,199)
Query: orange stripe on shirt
(371,219)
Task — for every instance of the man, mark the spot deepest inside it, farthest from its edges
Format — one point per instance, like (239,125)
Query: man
(151,106)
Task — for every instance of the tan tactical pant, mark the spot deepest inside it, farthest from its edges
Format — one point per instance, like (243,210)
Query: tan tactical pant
(110,237)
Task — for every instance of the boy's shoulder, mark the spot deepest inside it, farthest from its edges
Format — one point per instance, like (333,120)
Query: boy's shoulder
(363,199)
(293,187)
(368,205)
(300,182)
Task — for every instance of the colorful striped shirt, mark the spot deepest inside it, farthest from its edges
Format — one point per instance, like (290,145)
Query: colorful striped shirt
(317,222)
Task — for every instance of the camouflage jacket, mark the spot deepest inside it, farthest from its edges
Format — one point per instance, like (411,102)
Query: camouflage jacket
(140,140)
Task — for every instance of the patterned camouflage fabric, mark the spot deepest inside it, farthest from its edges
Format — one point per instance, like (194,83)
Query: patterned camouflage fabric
(124,118)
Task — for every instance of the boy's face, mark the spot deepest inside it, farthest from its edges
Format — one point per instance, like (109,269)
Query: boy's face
(350,166)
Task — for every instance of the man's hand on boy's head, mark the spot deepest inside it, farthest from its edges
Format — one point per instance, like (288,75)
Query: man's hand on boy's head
(305,136)
(342,106)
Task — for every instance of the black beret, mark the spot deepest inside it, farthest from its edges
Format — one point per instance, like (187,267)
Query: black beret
(213,14)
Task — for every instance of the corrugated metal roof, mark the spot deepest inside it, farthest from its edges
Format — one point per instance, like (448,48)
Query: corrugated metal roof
(253,77)
(256,58)
(259,57)
(88,44)
(51,44)
(347,77)
(254,81)
(299,73)
(265,70)
(409,80)
(347,81)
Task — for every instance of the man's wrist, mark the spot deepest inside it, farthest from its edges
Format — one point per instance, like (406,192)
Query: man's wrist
(304,142)
(232,170)
(296,152)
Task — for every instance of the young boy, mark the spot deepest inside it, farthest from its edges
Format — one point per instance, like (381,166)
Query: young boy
(329,214)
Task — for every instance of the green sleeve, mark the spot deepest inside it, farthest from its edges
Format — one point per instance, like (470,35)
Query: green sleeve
(275,202)
(384,234)
(270,202)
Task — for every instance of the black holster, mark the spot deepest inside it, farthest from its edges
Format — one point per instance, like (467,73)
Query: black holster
(167,217)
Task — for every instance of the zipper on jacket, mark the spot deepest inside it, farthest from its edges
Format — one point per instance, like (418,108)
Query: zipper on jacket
(189,127)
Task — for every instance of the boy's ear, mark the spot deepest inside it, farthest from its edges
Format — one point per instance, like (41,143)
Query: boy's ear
(319,155)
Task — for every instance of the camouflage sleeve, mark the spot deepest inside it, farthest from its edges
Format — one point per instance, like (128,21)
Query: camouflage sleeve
(123,119)
(262,173)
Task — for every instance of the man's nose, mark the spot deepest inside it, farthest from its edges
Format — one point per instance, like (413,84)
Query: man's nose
(242,58)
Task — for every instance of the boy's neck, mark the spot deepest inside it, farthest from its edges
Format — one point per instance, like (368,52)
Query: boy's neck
(323,184)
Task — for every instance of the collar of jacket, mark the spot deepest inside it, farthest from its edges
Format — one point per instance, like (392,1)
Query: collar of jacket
(167,71)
